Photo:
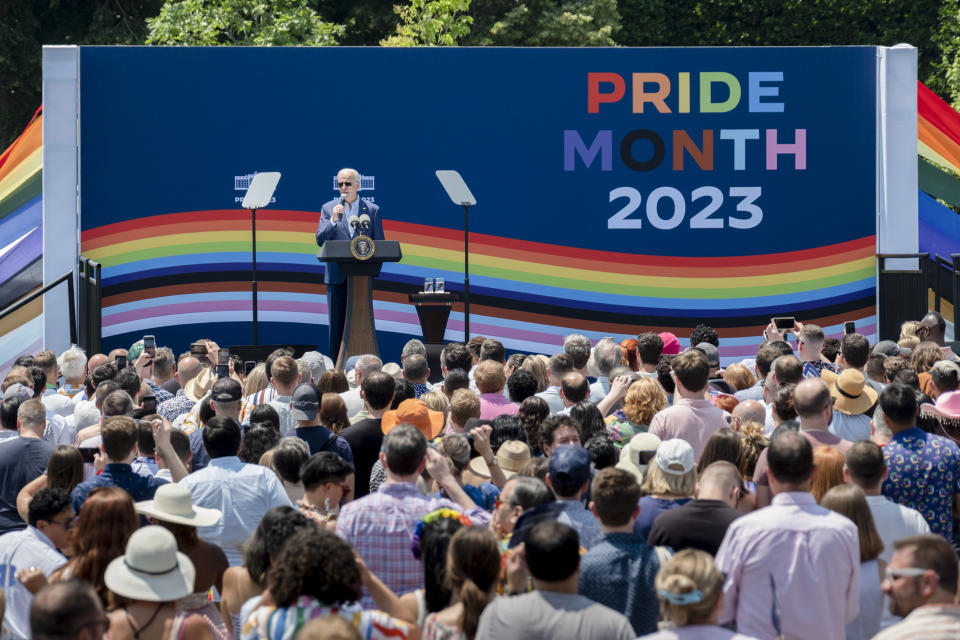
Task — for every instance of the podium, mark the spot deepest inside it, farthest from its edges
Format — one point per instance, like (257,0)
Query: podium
(433,310)
(359,332)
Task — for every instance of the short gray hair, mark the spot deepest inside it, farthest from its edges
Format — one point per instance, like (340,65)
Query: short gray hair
(32,413)
(368,363)
(413,347)
(73,362)
(577,346)
(607,356)
(404,448)
(415,367)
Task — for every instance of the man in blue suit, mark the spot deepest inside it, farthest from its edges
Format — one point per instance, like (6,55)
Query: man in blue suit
(334,225)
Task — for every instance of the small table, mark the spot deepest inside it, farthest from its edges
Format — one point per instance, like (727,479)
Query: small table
(433,309)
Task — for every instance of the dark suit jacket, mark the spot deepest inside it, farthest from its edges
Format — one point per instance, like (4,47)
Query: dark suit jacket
(341,231)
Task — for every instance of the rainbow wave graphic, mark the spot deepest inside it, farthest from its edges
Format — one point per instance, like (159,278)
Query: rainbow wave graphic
(192,267)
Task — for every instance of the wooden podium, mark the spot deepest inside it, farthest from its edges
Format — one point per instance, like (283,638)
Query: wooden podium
(359,332)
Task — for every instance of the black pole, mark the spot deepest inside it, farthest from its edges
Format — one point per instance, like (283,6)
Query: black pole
(466,273)
(253,282)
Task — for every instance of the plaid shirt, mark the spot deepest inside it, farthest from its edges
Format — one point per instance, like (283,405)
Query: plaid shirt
(380,527)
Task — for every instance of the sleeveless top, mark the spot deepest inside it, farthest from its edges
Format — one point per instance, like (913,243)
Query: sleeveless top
(867,623)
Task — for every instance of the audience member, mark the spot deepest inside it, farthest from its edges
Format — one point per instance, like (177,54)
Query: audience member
(558,430)
(828,471)
(692,418)
(366,436)
(866,468)
(242,492)
(37,548)
(923,468)
(569,477)
(560,365)
(921,583)
(396,508)
(690,590)
(644,399)
(767,591)
(701,523)
(490,381)
(848,500)
(305,409)
(22,459)
(669,483)
(619,571)
(555,610)
(852,401)
(68,610)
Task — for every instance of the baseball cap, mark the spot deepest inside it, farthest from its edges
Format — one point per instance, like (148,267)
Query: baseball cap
(306,402)
(675,456)
(226,390)
(885,348)
(18,390)
(315,364)
(569,466)
(671,346)
(712,353)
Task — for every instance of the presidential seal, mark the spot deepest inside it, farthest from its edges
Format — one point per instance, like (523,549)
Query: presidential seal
(362,247)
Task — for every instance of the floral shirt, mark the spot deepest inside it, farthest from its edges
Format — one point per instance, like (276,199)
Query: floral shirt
(620,430)
(924,474)
(815,368)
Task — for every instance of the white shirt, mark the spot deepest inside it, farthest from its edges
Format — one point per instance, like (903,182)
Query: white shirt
(19,550)
(895,522)
(243,493)
(353,401)
(282,405)
(57,403)
(58,431)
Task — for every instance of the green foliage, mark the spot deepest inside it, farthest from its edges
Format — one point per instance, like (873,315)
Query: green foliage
(551,23)
(430,23)
(241,22)
(366,22)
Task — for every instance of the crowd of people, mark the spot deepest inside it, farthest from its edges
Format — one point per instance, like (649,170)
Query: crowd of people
(609,490)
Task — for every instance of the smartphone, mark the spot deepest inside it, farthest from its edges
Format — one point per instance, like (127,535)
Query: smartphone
(87,453)
(849,327)
(784,323)
(223,366)
(121,363)
(198,348)
(248,366)
(148,404)
(150,346)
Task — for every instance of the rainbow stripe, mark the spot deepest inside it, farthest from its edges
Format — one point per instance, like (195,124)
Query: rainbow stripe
(21,232)
(193,267)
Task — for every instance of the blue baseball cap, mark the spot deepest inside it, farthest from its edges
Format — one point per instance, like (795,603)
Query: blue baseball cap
(569,466)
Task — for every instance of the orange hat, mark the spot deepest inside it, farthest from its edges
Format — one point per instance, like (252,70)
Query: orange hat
(415,412)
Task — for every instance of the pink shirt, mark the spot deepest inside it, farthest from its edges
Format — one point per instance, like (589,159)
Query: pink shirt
(494,404)
(691,420)
(810,554)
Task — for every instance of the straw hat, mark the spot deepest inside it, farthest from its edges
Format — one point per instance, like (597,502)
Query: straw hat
(852,395)
(511,456)
(152,569)
(200,385)
(414,412)
(172,503)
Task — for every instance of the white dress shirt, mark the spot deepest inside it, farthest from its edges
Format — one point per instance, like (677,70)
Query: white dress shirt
(551,396)
(19,550)
(243,493)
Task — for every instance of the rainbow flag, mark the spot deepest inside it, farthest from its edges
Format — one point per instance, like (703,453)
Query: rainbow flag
(21,269)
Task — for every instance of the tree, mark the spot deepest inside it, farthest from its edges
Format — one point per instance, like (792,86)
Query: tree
(241,22)
(549,23)
(430,23)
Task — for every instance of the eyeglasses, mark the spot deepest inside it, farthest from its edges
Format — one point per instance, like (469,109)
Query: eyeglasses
(344,184)
(67,524)
(908,572)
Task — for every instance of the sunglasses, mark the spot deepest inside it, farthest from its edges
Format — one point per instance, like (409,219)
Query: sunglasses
(344,184)
(909,572)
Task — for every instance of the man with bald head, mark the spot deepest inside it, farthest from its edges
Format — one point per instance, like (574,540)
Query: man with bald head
(335,217)
(932,329)
(574,388)
(748,411)
(187,369)
(814,406)
(701,523)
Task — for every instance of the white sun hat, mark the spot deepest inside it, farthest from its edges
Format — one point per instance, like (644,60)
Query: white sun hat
(152,569)
(173,503)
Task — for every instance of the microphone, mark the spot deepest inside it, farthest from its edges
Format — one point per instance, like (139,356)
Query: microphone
(365,222)
(343,203)
(354,222)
